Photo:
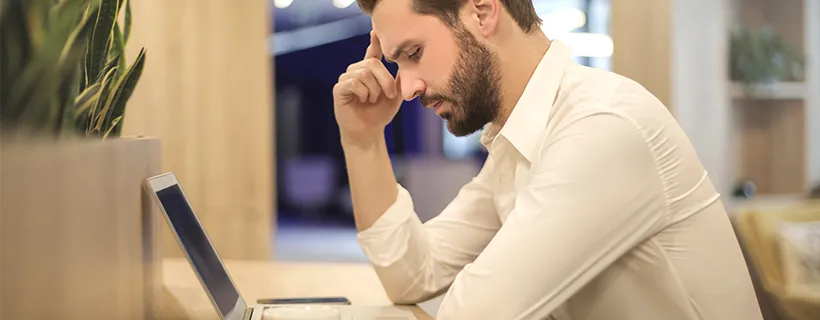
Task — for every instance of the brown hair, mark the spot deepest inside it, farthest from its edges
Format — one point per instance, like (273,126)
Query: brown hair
(522,11)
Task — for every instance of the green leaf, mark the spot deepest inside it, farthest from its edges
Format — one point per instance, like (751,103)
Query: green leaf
(105,86)
(40,89)
(79,34)
(125,88)
(101,38)
(100,109)
(87,34)
(86,99)
(113,125)
(35,17)
(68,97)
(114,62)
(16,52)
(66,8)
(118,49)
(83,33)
(127,32)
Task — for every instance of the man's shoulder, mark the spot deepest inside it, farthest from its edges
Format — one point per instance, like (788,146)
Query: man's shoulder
(585,88)
(599,83)
(593,93)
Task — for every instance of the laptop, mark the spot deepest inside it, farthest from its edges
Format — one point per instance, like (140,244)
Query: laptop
(219,285)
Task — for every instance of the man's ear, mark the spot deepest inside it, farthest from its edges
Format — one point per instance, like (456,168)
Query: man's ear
(488,13)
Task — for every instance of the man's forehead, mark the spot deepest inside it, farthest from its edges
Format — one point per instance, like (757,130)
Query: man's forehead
(395,23)
(393,42)
(392,9)
(391,19)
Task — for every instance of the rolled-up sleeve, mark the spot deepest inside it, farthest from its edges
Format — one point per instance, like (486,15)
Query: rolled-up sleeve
(593,194)
(415,260)
(379,242)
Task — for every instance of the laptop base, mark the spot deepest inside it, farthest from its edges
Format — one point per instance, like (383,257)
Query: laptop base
(328,312)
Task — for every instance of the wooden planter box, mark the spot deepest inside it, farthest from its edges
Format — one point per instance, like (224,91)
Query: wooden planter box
(77,231)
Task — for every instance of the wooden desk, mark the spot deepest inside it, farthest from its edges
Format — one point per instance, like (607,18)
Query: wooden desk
(184,298)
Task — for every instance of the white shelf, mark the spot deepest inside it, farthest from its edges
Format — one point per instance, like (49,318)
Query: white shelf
(783,91)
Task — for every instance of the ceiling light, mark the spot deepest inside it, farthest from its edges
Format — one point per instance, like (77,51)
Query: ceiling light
(341,4)
(282,3)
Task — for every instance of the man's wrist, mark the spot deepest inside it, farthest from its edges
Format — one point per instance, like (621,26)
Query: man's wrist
(362,141)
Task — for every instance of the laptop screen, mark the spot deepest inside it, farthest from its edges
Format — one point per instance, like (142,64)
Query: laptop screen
(202,253)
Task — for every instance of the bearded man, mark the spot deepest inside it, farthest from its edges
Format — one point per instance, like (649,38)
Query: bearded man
(592,203)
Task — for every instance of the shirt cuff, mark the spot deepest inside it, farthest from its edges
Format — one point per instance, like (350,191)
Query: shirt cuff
(385,241)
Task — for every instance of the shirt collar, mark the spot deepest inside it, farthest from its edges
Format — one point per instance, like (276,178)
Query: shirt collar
(530,114)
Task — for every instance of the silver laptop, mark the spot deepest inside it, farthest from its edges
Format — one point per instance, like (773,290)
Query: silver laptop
(218,284)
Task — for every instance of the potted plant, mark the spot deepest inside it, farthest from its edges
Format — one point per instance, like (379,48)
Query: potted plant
(64,67)
(759,56)
(76,229)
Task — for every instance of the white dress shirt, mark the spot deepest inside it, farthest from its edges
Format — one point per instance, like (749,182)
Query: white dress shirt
(592,204)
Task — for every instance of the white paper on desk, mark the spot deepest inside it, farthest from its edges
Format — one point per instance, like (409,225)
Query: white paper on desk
(348,312)
(801,253)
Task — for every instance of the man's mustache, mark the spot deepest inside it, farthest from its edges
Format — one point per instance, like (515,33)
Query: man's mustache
(429,99)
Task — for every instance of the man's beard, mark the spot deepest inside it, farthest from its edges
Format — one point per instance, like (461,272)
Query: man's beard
(473,90)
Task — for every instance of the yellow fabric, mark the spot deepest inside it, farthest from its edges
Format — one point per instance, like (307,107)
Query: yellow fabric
(758,232)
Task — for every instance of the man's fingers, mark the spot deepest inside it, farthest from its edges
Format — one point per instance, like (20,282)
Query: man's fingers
(367,77)
(385,79)
(370,75)
(373,88)
(378,69)
(352,88)
(359,89)
(374,50)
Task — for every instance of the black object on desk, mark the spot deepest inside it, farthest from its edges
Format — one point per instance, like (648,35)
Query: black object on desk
(315,300)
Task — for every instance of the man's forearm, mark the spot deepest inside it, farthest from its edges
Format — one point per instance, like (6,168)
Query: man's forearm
(372,183)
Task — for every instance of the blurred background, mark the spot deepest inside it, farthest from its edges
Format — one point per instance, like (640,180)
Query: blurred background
(701,58)
(238,93)
(313,42)
(741,76)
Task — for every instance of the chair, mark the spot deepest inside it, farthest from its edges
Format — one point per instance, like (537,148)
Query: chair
(771,256)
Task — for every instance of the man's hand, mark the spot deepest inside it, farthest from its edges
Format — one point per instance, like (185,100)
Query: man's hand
(366,97)
(365,100)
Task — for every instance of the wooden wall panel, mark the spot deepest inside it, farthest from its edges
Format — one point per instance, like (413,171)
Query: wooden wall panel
(641,33)
(772,133)
(772,141)
(207,92)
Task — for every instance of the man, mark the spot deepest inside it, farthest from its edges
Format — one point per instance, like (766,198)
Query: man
(592,203)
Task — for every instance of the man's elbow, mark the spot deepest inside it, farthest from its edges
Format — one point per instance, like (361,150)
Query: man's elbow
(458,305)
(453,310)
(411,295)
(404,299)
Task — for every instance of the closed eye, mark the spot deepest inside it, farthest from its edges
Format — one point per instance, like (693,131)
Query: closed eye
(415,55)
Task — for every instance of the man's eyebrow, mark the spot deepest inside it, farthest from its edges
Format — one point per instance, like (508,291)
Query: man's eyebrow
(393,57)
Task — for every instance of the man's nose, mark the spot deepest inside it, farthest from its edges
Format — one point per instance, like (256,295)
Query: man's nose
(411,85)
